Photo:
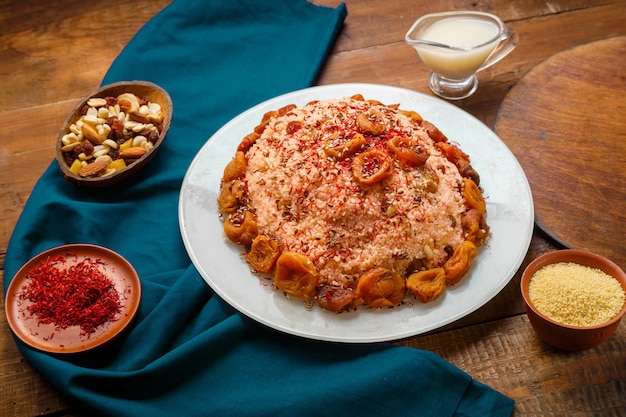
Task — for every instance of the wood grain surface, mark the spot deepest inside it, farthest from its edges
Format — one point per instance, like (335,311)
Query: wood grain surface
(564,121)
(53,53)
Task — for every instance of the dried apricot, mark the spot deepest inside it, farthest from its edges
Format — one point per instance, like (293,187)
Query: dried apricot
(296,275)
(473,197)
(460,262)
(232,196)
(408,151)
(380,287)
(371,122)
(241,227)
(263,254)
(427,285)
(372,166)
(342,150)
(236,168)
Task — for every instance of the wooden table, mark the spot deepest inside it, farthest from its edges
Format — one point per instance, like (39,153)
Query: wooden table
(51,55)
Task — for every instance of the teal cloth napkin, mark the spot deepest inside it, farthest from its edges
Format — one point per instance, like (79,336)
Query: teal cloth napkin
(188,353)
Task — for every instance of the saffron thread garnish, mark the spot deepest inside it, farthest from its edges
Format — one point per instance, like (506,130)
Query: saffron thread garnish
(78,295)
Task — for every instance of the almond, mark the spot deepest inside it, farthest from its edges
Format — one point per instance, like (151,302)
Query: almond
(91,134)
(92,169)
(133,152)
(139,117)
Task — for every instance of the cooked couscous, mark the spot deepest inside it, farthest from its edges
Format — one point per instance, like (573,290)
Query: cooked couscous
(348,187)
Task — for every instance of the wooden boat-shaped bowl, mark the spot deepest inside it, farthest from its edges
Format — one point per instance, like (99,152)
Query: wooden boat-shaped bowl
(141,89)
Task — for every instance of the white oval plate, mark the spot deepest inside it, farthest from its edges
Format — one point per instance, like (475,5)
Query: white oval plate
(510,214)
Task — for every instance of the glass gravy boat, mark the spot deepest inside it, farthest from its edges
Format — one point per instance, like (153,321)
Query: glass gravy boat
(456,45)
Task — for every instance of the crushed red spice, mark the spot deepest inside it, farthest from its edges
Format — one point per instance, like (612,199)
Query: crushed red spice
(81,295)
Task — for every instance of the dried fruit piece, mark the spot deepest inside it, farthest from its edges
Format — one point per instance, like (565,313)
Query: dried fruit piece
(475,226)
(236,168)
(372,166)
(380,287)
(434,132)
(473,197)
(248,141)
(338,150)
(241,228)
(265,120)
(296,275)
(232,196)
(371,122)
(126,145)
(427,285)
(460,262)
(118,164)
(335,298)
(263,254)
(408,151)
(129,101)
(76,166)
(415,116)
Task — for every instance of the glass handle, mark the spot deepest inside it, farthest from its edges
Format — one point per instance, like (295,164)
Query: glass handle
(508,42)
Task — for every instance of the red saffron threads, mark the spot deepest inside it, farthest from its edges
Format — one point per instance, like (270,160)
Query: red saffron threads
(80,295)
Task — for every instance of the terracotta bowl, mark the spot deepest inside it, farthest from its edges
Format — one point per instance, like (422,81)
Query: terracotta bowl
(141,89)
(562,336)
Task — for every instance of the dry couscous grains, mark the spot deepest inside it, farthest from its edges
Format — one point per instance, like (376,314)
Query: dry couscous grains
(576,295)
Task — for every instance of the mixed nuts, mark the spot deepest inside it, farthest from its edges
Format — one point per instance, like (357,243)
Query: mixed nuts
(111,133)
